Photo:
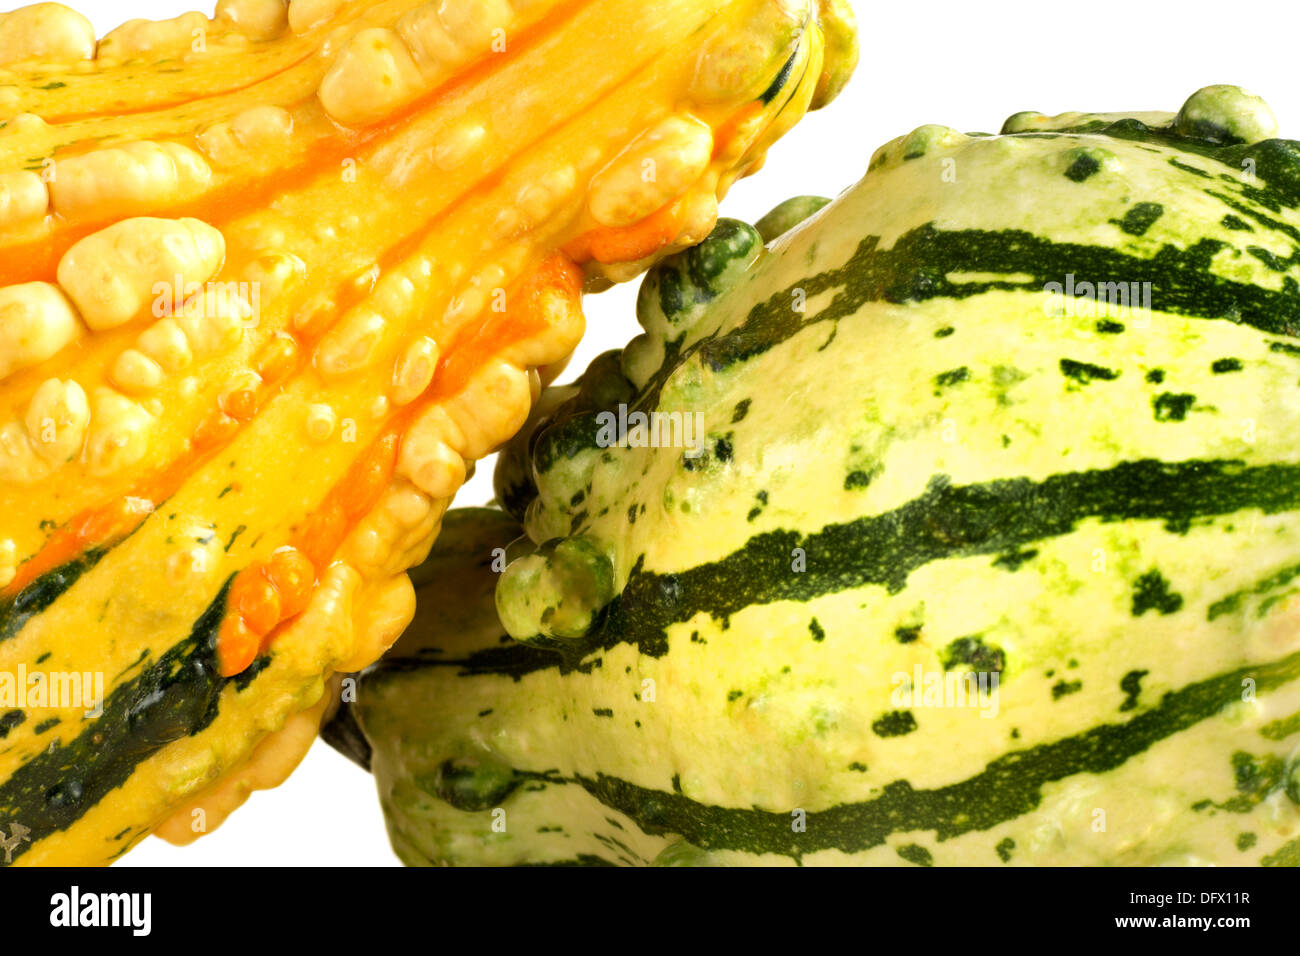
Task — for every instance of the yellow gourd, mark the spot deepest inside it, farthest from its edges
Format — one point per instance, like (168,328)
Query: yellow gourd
(269,283)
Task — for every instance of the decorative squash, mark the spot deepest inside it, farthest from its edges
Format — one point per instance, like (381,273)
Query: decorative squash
(966,563)
(269,283)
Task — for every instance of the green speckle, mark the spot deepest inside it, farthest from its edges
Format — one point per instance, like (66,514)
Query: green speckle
(1172,408)
(1152,592)
(1085,372)
(1226,365)
(1004,848)
(906,635)
(952,377)
(915,853)
(896,723)
(1109,327)
(857,767)
(235,534)
(1156,376)
(1012,560)
(602,711)
(1140,218)
(818,634)
(1236,223)
(734,695)
(45,725)
(944,332)
(54,85)
(741,410)
(1084,165)
(1131,685)
(1255,778)
(974,654)
(1061,688)
(856,479)
(1245,841)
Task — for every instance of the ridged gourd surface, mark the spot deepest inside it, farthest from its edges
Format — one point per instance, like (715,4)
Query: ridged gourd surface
(927,452)
(270,282)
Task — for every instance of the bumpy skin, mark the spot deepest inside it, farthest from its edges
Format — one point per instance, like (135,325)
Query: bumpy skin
(211,493)
(935,468)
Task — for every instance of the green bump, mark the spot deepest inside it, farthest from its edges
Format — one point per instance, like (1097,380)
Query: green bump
(682,853)
(470,784)
(1225,115)
(556,592)
(784,217)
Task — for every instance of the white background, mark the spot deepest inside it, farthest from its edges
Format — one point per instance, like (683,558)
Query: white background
(960,63)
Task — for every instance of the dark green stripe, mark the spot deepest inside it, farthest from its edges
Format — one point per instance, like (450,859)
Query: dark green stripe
(1007,788)
(1233,601)
(44,591)
(175,697)
(945,522)
(915,269)
(1282,728)
(1287,855)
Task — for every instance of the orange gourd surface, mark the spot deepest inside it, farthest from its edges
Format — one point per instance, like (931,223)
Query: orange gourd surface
(270,282)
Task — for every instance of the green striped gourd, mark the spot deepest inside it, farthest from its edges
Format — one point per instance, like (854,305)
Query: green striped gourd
(935,444)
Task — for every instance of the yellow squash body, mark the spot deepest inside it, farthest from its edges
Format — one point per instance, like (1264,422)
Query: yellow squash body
(270,282)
